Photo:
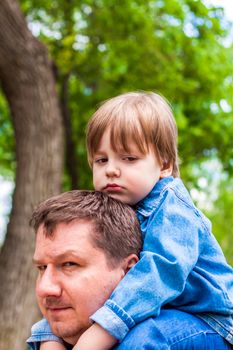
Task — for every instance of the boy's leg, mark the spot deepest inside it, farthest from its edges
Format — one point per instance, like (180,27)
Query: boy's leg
(173,330)
(41,332)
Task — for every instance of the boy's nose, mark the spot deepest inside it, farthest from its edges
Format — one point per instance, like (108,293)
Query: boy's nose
(48,285)
(112,170)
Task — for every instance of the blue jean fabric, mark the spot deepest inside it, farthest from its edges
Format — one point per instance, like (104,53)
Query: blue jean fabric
(181,266)
(173,330)
(40,332)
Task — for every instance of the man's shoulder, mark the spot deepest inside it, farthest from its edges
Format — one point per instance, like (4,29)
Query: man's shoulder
(135,340)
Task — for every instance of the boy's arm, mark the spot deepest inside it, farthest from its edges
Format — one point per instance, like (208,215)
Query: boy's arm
(95,338)
(51,345)
(171,248)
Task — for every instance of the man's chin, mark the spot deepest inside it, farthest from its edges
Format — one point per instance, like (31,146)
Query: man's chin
(68,333)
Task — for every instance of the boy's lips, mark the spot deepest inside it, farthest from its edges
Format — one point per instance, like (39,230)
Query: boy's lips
(112,188)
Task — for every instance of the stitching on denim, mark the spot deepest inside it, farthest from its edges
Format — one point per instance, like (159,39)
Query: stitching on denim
(127,319)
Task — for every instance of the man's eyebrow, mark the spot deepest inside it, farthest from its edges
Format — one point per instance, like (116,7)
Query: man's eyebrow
(36,261)
(69,254)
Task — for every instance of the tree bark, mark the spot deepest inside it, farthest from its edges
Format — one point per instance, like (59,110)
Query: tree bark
(28,83)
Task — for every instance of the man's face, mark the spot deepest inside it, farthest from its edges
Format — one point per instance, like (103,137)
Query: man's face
(74,278)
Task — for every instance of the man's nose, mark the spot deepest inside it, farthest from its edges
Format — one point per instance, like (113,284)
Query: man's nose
(112,169)
(48,284)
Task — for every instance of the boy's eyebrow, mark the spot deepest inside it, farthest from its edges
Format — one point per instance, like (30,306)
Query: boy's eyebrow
(98,152)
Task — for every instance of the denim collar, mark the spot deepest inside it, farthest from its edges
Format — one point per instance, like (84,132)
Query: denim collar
(147,205)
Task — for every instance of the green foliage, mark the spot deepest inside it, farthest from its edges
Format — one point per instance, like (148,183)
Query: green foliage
(221,216)
(176,47)
(212,193)
(7,144)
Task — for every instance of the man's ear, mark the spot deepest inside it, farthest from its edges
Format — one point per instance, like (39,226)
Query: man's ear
(129,262)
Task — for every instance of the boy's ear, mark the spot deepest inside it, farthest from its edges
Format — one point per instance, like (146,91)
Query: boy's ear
(129,262)
(166,170)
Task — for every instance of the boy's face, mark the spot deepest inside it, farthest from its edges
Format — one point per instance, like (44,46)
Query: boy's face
(128,177)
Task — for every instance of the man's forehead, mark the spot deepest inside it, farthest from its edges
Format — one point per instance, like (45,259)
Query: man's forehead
(66,238)
(50,229)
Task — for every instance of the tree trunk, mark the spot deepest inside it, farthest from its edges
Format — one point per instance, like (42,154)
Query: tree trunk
(28,83)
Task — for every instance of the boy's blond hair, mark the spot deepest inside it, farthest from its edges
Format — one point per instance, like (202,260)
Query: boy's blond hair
(144,118)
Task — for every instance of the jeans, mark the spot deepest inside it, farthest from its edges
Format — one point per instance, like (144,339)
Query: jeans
(173,330)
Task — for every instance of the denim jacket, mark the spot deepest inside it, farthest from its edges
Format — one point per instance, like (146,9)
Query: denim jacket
(181,266)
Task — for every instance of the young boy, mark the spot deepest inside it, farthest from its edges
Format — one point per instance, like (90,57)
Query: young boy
(132,149)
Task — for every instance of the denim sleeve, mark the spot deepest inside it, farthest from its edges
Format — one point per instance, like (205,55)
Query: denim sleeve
(41,331)
(170,251)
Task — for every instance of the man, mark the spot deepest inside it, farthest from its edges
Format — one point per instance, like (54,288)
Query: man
(85,244)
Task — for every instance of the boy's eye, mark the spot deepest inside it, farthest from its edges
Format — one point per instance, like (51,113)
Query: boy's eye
(130,158)
(101,160)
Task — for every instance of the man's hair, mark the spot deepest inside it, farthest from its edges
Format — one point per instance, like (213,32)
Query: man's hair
(142,117)
(116,230)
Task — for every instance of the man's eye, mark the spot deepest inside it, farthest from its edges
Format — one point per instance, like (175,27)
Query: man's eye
(41,268)
(69,264)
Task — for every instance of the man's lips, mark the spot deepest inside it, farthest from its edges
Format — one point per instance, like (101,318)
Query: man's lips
(57,310)
(52,304)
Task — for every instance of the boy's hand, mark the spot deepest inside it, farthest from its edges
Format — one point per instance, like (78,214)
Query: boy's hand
(51,345)
(95,338)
